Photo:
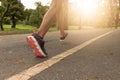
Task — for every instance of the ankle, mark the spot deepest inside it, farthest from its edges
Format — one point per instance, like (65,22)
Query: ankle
(63,34)
(41,37)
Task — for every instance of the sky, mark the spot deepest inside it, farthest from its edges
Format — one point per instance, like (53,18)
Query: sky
(30,4)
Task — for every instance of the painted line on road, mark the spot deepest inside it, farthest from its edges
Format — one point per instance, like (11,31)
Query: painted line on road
(28,73)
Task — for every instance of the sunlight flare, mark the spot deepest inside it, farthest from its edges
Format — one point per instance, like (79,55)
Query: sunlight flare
(88,7)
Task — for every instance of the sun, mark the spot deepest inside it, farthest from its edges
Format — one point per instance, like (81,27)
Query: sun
(85,11)
(88,7)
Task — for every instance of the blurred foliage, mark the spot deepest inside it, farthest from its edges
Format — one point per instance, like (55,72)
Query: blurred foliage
(36,16)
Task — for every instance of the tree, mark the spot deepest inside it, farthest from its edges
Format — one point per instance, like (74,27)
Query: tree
(27,13)
(13,9)
(5,4)
(108,14)
(16,12)
(37,14)
(117,15)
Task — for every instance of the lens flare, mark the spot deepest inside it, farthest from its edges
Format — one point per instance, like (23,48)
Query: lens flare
(89,7)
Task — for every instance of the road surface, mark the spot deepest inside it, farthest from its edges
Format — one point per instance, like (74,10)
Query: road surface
(86,55)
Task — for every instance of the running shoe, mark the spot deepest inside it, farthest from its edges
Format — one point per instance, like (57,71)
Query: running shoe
(37,43)
(63,37)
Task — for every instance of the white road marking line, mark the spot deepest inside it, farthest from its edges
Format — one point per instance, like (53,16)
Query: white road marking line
(28,73)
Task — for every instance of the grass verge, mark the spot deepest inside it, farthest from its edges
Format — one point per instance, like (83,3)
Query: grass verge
(20,29)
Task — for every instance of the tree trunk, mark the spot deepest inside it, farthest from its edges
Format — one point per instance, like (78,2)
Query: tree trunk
(117,20)
(111,13)
(2,17)
(1,25)
(117,16)
(13,22)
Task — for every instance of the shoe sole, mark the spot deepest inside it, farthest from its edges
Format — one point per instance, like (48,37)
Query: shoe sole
(33,44)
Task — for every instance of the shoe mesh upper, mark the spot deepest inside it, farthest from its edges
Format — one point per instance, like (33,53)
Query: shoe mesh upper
(40,42)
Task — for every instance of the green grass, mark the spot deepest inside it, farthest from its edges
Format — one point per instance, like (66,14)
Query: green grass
(20,29)
(23,29)
(52,29)
(73,27)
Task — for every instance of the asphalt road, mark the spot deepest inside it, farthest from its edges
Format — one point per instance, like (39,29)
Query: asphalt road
(98,61)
